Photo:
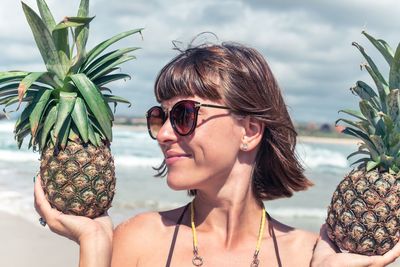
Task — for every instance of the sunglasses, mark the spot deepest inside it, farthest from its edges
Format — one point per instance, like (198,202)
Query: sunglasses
(183,117)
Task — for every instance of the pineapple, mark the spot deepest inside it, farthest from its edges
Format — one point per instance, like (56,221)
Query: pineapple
(364,214)
(67,112)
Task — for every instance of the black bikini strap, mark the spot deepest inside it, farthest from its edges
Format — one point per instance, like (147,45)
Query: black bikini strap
(172,247)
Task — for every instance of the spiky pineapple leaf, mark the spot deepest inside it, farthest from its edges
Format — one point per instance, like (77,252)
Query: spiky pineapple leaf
(104,69)
(394,145)
(394,170)
(21,125)
(369,112)
(37,112)
(362,160)
(355,113)
(378,143)
(44,42)
(48,125)
(80,118)
(372,165)
(93,53)
(51,80)
(389,126)
(81,36)
(394,104)
(358,152)
(108,57)
(387,161)
(365,138)
(14,87)
(64,132)
(73,134)
(9,101)
(117,99)
(394,73)
(382,47)
(383,88)
(361,125)
(61,41)
(46,15)
(22,134)
(95,101)
(91,136)
(365,92)
(8,92)
(374,69)
(103,80)
(98,134)
(105,89)
(71,22)
(27,82)
(66,105)
(10,76)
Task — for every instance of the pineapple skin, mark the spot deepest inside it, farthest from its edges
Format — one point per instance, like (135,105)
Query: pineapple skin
(364,214)
(79,180)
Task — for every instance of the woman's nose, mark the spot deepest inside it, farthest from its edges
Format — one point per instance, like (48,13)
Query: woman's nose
(166,133)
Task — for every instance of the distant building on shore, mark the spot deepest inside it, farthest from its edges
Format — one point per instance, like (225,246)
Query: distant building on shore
(126,120)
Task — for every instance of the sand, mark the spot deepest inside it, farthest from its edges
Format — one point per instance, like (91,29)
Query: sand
(26,245)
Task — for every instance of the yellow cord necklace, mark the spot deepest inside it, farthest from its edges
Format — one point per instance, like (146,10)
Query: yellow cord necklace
(198,260)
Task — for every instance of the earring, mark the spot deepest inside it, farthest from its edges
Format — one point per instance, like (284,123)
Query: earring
(244,147)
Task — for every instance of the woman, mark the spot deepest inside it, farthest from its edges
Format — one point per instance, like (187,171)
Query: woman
(227,138)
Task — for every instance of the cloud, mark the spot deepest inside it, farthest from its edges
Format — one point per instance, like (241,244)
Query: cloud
(306,43)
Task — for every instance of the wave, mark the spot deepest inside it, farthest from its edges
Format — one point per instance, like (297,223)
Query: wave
(314,157)
(18,156)
(7,126)
(16,203)
(136,161)
(121,160)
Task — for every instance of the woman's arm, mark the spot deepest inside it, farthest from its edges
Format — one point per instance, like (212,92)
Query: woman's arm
(93,235)
(326,254)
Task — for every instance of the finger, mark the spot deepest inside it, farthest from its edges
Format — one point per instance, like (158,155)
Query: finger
(391,255)
(41,203)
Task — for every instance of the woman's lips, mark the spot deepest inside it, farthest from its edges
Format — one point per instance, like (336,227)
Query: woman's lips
(171,158)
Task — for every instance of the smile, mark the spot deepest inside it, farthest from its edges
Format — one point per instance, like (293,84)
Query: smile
(174,158)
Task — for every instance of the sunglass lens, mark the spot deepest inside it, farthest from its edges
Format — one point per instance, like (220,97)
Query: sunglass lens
(183,115)
(155,121)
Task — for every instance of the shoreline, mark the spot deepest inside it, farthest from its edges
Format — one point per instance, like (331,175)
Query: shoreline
(327,140)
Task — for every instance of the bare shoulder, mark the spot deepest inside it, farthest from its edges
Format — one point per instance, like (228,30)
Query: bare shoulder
(141,234)
(295,235)
(148,224)
(292,241)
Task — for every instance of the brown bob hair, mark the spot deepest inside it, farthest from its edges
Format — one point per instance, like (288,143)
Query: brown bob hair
(241,78)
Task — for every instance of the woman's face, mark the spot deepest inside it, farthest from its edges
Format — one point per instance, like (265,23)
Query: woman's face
(207,156)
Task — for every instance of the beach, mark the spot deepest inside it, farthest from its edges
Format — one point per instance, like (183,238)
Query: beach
(26,245)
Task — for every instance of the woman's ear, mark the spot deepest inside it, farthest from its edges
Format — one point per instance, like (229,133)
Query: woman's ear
(253,130)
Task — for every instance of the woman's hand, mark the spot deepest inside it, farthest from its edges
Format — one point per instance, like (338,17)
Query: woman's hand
(93,235)
(326,255)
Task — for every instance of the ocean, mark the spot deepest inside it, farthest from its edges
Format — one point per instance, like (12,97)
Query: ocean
(137,190)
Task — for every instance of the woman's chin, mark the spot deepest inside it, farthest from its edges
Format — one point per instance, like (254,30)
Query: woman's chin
(178,184)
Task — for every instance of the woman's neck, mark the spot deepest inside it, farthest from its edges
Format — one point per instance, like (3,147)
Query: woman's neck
(231,212)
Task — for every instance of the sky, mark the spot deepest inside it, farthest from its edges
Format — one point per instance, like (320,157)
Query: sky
(306,43)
